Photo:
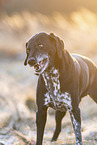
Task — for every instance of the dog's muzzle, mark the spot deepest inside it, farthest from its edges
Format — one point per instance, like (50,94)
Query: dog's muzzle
(40,64)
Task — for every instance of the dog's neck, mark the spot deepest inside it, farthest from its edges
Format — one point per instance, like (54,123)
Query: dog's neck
(66,68)
(61,73)
(52,80)
(51,75)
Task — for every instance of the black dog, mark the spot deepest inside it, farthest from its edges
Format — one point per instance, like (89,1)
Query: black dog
(63,80)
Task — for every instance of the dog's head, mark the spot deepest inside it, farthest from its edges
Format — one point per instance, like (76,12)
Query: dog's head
(41,50)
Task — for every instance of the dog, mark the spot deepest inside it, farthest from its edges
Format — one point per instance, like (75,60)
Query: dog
(64,79)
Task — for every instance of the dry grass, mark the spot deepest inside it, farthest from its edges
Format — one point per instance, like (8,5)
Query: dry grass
(78,32)
(18,83)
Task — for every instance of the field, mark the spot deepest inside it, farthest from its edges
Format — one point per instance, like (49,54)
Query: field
(18,83)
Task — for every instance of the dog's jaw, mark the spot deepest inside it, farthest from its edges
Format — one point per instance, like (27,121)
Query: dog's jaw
(42,64)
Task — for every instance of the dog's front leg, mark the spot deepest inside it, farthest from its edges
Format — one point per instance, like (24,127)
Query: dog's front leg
(58,116)
(76,122)
(41,116)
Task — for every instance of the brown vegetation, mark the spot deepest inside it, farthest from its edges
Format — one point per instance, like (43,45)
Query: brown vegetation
(18,83)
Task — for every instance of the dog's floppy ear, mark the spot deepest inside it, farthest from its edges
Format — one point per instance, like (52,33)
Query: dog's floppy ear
(25,62)
(59,44)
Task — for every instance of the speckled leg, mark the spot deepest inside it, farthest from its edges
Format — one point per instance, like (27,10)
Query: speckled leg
(58,116)
(76,122)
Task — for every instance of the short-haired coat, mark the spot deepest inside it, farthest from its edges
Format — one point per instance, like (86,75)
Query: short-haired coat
(64,79)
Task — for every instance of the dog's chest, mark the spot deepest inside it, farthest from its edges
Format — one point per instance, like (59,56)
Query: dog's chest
(54,97)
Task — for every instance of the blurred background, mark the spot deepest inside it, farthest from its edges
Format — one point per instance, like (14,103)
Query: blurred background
(75,22)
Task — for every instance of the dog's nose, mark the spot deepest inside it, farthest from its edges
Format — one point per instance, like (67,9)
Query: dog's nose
(31,61)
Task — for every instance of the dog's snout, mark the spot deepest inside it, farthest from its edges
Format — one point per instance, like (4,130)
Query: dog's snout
(31,61)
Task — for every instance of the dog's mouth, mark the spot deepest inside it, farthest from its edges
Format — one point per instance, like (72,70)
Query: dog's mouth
(41,66)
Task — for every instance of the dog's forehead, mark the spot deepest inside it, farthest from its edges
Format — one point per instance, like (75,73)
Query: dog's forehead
(39,38)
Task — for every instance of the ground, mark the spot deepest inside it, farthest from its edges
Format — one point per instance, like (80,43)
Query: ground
(18,83)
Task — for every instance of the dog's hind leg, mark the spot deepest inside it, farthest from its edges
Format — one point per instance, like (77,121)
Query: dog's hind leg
(93,95)
(93,89)
(58,117)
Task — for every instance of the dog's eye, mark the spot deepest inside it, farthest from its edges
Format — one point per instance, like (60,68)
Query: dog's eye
(40,45)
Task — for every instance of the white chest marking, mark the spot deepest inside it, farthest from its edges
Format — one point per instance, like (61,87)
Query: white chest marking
(54,95)
(59,100)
